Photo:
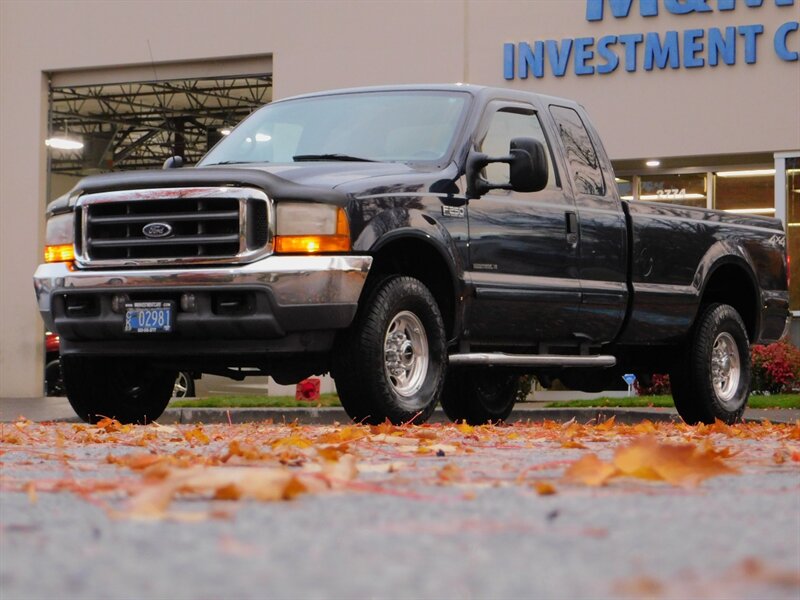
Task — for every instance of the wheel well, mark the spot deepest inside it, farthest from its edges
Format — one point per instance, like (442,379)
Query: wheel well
(730,284)
(422,261)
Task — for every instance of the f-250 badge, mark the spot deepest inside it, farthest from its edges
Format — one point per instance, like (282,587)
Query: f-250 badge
(452,211)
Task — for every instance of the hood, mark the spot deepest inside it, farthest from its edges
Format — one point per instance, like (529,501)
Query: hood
(295,181)
(332,174)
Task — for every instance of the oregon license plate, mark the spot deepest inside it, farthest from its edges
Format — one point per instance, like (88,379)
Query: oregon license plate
(148,317)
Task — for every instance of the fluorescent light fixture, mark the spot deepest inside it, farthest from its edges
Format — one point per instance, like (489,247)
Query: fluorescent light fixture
(653,163)
(63,143)
(747,173)
(618,180)
(670,198)
(751,211)
(225,131)
(263,137)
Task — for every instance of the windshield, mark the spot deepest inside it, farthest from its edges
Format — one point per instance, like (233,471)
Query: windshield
(397,126)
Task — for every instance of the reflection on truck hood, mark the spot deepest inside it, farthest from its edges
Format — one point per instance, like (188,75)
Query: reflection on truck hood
(329,174)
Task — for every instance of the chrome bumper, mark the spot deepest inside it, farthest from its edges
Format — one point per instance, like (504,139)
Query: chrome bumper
(291,280)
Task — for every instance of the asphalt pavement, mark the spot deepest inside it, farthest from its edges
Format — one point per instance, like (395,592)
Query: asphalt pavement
(735,536)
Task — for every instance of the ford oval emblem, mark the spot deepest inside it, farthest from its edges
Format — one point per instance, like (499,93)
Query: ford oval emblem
(157,230)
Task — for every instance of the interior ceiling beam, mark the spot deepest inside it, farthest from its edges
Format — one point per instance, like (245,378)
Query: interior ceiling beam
(146,121)
(127,150)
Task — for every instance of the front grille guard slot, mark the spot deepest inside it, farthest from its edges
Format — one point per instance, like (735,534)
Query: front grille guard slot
(253,219)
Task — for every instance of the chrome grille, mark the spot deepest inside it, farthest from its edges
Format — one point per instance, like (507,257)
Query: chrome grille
(197,225)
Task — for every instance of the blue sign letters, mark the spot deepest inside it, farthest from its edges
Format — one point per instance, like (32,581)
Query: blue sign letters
(690,49)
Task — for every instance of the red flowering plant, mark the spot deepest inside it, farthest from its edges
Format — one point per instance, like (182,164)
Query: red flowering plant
(776,368)
(658,385)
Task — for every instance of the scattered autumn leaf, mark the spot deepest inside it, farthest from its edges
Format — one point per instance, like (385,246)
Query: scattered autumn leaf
(450,473)
(544,488)
(590,470)
(678,464)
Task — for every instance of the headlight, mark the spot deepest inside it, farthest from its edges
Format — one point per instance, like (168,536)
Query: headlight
(60,238)
(308,228)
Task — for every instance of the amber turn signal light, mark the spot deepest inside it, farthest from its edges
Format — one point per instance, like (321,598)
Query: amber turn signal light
(315,244)
(61,253)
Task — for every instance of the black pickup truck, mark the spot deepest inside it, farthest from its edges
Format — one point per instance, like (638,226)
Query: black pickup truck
(423,244)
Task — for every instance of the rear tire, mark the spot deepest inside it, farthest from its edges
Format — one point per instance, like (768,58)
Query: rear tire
(712,381)
(184,385)
(129,390)
(479,396)
(390,364)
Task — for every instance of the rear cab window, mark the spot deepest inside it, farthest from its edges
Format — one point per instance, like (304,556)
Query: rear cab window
(582,158)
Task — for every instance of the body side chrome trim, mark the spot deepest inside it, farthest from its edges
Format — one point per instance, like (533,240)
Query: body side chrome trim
(531,360)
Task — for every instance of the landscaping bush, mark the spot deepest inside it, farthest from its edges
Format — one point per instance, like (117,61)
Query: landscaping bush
(658,386)
(776,368)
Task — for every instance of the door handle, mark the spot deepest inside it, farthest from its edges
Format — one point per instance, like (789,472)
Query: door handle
(572,228)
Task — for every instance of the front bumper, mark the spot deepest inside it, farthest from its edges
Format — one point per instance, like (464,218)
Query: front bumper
(272,298)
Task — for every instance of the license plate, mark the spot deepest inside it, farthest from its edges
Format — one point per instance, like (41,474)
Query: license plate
(148,317)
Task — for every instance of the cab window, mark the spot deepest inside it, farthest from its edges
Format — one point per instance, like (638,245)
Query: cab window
(581,155)
(507,124)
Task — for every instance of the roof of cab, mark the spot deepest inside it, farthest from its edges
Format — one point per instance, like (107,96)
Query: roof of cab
(474,90)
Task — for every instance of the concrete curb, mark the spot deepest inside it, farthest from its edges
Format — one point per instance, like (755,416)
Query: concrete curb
(330,415)
(58,409)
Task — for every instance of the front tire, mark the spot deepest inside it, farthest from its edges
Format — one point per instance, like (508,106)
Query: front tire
(479,396)
(390,364)
(712,381)
(129,390)
(54,382)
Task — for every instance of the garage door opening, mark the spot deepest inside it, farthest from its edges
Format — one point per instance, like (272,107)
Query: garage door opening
(136,117)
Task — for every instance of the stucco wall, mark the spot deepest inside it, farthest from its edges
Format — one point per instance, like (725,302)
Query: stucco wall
(330,43)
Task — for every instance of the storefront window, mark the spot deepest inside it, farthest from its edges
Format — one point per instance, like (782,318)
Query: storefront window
(745,191)
(793,228)
(625,187)
(686,189)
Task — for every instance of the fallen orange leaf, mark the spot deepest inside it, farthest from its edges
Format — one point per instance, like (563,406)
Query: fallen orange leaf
(590,470)
(543,488)
(678,464)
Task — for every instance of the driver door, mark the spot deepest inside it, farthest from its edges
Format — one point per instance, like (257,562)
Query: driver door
(523,258)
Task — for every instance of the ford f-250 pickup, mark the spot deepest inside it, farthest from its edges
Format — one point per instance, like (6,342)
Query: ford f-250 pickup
(423,244)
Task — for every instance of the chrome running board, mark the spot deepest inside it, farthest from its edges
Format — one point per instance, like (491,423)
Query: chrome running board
(500,359)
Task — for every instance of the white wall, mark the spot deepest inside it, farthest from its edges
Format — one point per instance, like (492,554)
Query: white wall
(330,43)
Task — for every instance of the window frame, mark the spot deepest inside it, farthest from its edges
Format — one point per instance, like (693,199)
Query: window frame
(495,106)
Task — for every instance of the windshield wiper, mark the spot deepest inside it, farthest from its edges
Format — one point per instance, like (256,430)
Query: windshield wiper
(232,162)
(341,157)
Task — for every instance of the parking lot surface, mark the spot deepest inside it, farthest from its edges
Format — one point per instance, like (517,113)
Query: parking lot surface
(536,510)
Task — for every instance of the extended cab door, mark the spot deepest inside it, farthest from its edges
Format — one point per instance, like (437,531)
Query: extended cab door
(523,260)
(602,233)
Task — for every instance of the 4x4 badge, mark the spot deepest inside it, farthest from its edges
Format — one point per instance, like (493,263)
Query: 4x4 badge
(157,230)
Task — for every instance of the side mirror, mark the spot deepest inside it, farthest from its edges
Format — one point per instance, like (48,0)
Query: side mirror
(528,171)
(173,162)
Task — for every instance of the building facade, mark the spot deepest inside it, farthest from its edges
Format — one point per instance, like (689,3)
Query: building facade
(697,101)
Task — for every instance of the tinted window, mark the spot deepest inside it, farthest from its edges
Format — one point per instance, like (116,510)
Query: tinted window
(581,155)
(507,124)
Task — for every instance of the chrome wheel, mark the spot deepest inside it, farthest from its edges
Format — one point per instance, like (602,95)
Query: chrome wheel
(181,388)
(405,353)
(726,369)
